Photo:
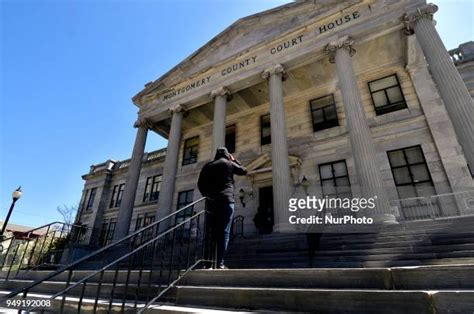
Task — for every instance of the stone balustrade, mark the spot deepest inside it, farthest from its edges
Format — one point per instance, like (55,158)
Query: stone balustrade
(112,165)
(462,54)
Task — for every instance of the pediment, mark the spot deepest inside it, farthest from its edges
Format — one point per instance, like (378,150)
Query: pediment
(240,37)
(263,164)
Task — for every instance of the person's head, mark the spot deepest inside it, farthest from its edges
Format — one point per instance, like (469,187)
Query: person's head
(222,152)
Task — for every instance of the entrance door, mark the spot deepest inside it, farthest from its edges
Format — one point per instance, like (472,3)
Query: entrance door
(264,219)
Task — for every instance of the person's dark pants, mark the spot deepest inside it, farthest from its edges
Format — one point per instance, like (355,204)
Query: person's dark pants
(221,223)
(224,217)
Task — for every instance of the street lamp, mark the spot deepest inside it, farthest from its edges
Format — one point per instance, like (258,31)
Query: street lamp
(15,196)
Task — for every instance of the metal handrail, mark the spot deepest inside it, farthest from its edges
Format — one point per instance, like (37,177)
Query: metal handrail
(99,251)
(161,235)
(132,256)
(41,227)
(40,242)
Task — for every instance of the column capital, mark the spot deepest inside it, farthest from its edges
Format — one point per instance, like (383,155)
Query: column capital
(222,91)
(425,12)
(142,122)
(345,42)
(274,70)
(176,109)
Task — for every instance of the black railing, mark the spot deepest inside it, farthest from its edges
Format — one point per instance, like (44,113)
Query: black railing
(133,272)
(36,248)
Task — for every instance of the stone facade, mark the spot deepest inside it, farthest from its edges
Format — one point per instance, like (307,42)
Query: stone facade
(277,62)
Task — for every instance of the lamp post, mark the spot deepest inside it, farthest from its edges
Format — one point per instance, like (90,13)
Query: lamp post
(15,196)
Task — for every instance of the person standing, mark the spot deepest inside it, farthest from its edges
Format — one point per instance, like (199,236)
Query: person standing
(216,182)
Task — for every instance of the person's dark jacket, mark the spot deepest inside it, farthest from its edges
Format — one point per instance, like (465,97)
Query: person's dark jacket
(216,179)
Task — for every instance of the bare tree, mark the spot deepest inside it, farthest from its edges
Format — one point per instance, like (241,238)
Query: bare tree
(68,213)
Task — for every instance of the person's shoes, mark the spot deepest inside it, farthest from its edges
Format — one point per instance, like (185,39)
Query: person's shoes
(222,267)
(207,266)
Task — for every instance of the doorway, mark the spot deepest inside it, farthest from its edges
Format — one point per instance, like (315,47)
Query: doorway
(264,219)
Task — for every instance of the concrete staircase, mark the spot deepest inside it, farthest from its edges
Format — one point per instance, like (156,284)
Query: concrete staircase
(353,273)
(440,242)
(426,289)
(122,291)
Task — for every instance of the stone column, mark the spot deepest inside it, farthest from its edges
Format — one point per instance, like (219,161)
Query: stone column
(451,86)
(280,166)
(442,131)
(165,201)
(363,148)
(220,96)
(131,183)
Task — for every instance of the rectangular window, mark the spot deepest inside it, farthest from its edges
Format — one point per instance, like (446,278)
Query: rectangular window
(103,233)
(387,95)
(410,172)
(185,198)
(323,112)
(152,188)
(230,138)
(110,232)
(335,179)
(116,198)
(113,198)
(90,202)
(190,154)
(265,131)
(139,222)
(119,195)
(84,199)
(107,232)
(144,220)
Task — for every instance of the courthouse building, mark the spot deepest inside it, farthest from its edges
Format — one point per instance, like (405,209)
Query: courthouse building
(326,98)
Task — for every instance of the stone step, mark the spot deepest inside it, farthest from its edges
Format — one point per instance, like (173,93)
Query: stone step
(165,309)
(328,300)
(376,278)
(128,291)
(289,252)
(355,239)
(408,278)
(87,306)
(108,275)
(320,256)
(241,249)
(412,229)
(338,264)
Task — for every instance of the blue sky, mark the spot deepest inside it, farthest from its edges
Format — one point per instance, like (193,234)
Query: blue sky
(70,68)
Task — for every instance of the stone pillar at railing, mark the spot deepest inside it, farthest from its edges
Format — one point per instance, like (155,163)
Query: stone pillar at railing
(131,183)
(165,201)
(280,167)
(362,144)
(456,97)
(220,95)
